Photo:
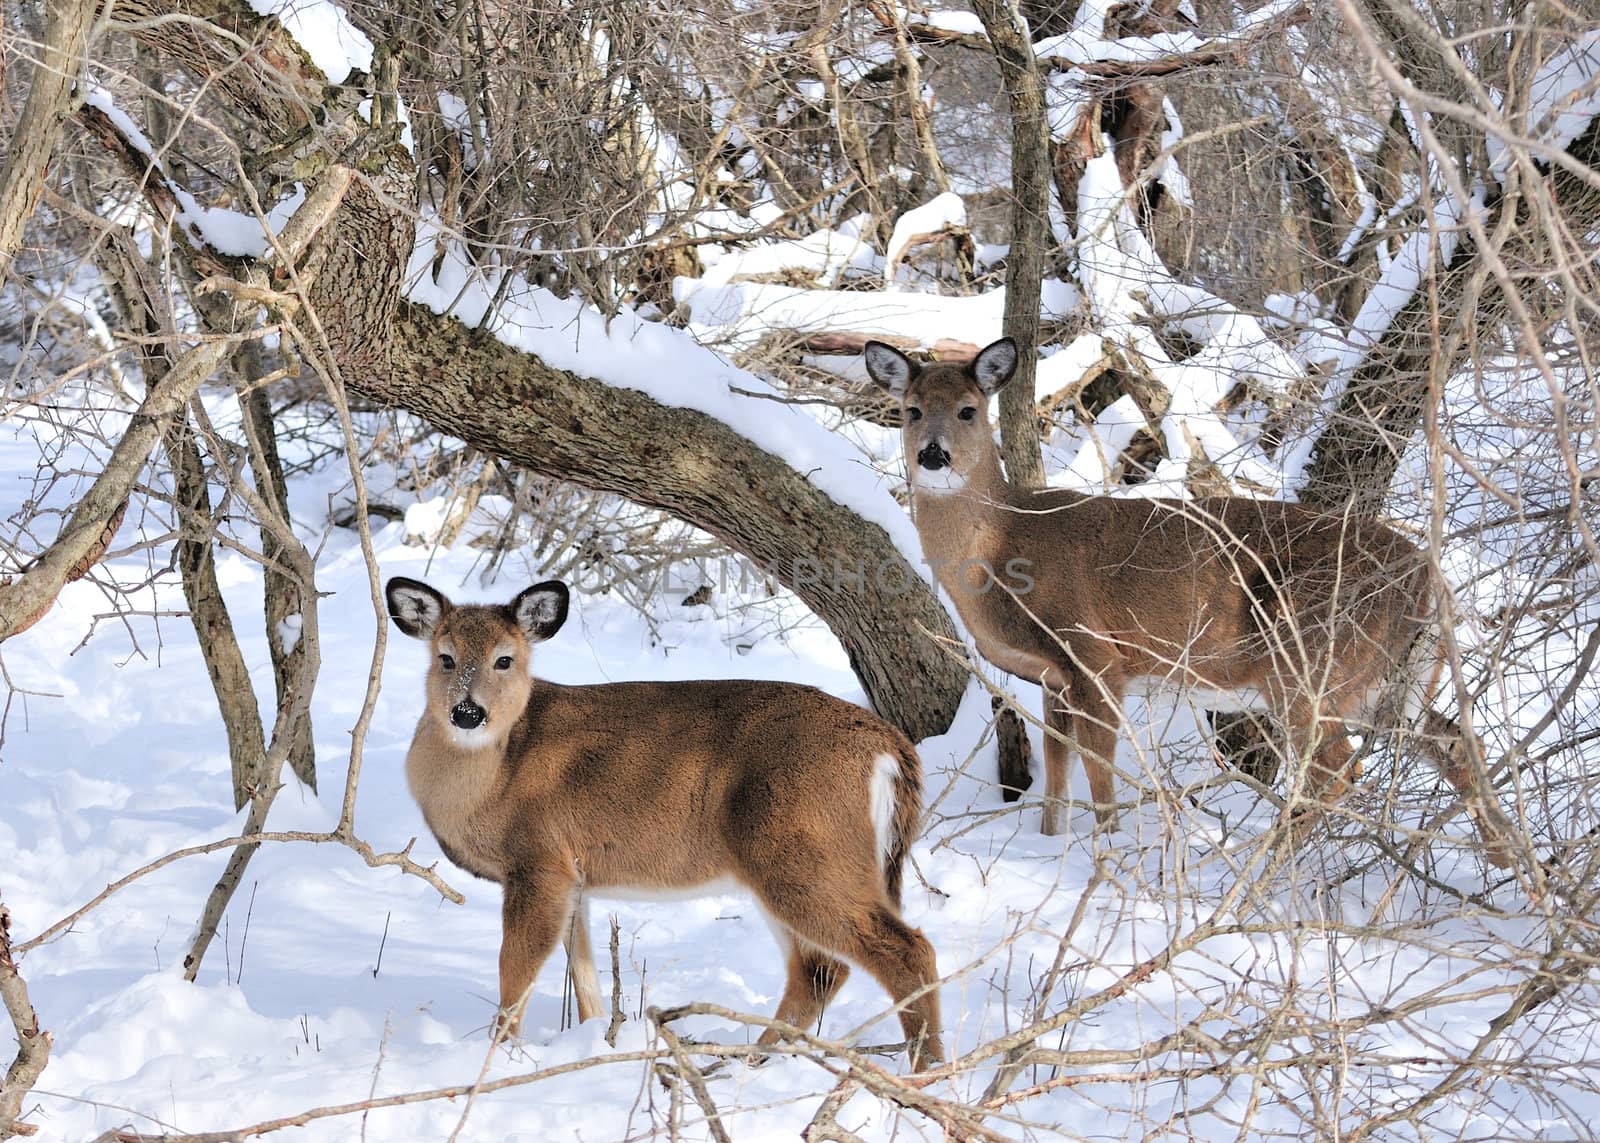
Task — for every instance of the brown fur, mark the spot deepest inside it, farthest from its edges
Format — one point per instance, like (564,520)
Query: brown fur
(1327,618)
(665,786)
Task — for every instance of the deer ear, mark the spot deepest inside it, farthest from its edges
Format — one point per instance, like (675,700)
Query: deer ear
(890,368)
(541,609)
(416,608)
(994,365)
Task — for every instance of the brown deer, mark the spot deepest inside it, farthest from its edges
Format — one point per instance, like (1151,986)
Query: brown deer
(1324,621)
(560,792)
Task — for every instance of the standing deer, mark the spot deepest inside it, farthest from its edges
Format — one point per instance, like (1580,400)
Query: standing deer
(1323,620)
(560,792)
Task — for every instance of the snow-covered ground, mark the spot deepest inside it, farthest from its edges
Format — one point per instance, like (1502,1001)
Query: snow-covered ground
(332,982)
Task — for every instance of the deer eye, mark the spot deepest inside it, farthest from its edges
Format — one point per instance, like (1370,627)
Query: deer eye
(448,662)
(913,414)
(503,663)
(967,412)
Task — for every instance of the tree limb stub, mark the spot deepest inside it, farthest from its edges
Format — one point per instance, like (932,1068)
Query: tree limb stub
(33,1044)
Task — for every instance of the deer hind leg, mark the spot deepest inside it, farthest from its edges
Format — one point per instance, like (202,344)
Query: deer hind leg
(534,915)
(580,962)
(839,913)
(1444,744)
(814,977)
(1095,729)
(902,960)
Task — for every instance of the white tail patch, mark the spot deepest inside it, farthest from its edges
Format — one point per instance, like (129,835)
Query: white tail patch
(881,801)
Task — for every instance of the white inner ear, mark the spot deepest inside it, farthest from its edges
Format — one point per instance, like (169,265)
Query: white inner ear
(421,611)
(538,611)
(995,364)
(888,368)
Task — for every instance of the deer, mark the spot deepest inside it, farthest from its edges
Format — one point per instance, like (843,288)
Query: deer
(664,789)
(1325,621)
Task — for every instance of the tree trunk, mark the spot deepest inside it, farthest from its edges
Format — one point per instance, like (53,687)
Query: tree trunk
(1356,456)
(1030,233)
(145,311)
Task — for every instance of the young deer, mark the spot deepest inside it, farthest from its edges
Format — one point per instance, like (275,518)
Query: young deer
(1323,620)
(560,792)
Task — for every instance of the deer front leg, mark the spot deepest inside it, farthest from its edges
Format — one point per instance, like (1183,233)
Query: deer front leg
(1057,754)
(534,916)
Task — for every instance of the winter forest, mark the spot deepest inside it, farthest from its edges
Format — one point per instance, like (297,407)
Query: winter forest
(300,295)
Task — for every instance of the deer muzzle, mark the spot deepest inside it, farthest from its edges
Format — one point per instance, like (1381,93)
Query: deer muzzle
(467,715)
(933,457)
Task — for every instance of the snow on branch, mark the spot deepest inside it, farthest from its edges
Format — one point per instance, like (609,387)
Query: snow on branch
(1129,292)
(226,233)
(665,364)
(1563,98)
(1085,49)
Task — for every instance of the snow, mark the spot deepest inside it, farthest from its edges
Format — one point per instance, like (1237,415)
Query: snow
(962,23)
(826,253)
(331,982)
(944,213)
(1084,43)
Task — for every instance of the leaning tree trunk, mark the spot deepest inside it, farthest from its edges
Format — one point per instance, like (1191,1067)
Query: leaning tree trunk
(508,402)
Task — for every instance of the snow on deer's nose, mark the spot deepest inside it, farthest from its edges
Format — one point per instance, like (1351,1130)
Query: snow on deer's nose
(467,715)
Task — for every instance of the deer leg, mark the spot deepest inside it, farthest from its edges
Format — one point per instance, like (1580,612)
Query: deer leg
(580,961)
(835,911)
(902,960)
(1444,744)
(1057,755)
(1097,718)
(813,979)
(534,914)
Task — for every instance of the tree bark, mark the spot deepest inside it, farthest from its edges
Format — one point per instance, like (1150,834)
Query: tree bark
(1030,233)
(1356,456)
(286,598)
(38,130)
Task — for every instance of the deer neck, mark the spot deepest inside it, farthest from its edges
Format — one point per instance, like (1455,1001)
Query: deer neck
(452,786)
(960,525)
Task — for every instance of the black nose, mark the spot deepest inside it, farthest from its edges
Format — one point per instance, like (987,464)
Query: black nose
(468,715)
(933,457)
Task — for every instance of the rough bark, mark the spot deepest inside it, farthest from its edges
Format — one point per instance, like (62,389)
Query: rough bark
(1016,755)
(38,130)
(1030,233)
(511,404)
